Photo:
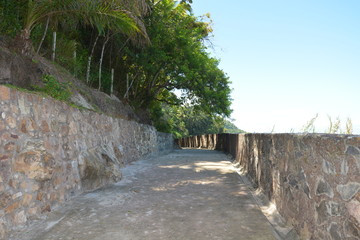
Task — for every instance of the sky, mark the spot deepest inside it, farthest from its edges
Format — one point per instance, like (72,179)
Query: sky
(288,61)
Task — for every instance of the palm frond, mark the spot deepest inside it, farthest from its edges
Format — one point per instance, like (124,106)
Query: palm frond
(100,14)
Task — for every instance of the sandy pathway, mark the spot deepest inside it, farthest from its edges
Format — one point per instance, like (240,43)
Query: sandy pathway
(188,194)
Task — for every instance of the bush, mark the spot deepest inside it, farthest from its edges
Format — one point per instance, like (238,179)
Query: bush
(54,88)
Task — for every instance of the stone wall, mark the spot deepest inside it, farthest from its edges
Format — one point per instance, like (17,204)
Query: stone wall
(50,152)
(314,180)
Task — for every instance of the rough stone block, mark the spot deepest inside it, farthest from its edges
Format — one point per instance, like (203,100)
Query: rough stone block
(35,164)
(334,208)
(11,121)
(12,207)
(344,167)
(27,199)
(358,164)
(2,231)
(322,212)
(335,232)
(20,218)
(352,229)
(323,188)
(352,150)
(348,191)
(2,125)
(23,126)
(353,208)
(4,157)
(4,93)
(45,127)
(34,211)
(17,195)
(328,167)
(9,147)
(5,199)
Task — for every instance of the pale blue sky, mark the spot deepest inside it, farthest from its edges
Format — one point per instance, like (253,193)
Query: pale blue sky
(288,60)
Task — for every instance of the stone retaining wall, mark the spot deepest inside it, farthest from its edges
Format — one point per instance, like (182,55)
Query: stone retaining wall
(314,180)
(50,152)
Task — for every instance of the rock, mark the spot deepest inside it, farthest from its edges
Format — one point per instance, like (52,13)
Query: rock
(4,91)
(5,199)
(344,167)
(352,150)
(326,209)
(4,157)
(323,188)
(12,207)
(9,147)
(2,125)
(334,232)
(11,122)
(19,218)
(35,164)
(348,191)
(45,127)
(98,166)
(23,125)
(2,231)
(328,167)
(14,136)
(292,181)
(358,164)
(306,190)
(46,208)
(322,212)
(353,208)
(27,199)
(333,209)
(24,109)
(79,100)
(17,195)
(34,211)
(352,229)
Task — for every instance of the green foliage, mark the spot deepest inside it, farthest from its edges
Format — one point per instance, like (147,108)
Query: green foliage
(309,127)
(349,126)
(229,127)
(334,127)
(178,59)
(100,14)
(54,88)
(11,15)
(186,120)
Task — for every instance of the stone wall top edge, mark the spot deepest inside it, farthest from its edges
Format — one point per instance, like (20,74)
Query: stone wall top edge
(307,135)
(13,91)
(321,135)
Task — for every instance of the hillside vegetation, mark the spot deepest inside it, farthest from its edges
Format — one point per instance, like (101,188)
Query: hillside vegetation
(137,50)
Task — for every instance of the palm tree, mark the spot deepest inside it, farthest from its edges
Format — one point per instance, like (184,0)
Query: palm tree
(106,14)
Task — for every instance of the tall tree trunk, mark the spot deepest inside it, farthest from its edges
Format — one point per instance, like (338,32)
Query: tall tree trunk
(44,35)
(112,82)
(54,47)
(102,58)
(75,62)
(89,60)
(23,43)
(128,87)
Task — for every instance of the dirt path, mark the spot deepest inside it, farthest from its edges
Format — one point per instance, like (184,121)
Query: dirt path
(188,194)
